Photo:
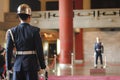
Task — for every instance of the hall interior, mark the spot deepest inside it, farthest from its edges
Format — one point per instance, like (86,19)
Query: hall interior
(110,36)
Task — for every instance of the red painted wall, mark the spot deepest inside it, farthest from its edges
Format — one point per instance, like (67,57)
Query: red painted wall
(79,36)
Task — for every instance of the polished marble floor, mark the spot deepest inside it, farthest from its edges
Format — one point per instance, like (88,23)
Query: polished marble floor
(83,69)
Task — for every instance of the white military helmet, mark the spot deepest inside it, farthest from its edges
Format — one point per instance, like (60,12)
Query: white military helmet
(24,9)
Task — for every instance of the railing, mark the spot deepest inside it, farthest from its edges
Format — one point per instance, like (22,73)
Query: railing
(92,13)
(98,18)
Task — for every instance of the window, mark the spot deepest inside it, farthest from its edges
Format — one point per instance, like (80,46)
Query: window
(96,4)
(52,5)
(34,4)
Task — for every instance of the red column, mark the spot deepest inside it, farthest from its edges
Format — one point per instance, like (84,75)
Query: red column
(66,31)
(79,36)
(78,4)
(79,45)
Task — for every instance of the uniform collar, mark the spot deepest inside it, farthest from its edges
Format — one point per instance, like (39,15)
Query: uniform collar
(24,23)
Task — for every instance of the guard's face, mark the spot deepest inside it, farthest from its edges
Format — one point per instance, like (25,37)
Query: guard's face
(97,39)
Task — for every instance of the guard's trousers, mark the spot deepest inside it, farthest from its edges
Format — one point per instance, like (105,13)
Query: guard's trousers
(98,55)
(25,75)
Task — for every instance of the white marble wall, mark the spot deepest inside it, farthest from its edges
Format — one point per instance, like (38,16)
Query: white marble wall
(111,42)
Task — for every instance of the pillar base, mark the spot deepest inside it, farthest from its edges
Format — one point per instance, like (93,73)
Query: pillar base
(65,65)
(78,61)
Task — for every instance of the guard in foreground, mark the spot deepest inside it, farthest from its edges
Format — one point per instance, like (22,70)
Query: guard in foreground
(29,51)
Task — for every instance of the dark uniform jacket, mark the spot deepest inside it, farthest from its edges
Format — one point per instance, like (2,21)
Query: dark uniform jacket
(99,47)
(27,38)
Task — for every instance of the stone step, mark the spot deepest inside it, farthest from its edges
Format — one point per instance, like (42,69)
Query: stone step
(97,71)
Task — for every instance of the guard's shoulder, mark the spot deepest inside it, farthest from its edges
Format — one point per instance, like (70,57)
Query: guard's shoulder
(13,28)
(36,29)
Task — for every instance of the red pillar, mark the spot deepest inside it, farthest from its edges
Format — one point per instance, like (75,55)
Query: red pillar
(78,4)
(66,31)
(79,36)
(79,45)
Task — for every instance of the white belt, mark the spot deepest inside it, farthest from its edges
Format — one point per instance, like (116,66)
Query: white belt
(25,52)
(98,49)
